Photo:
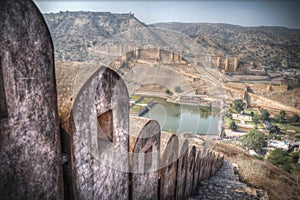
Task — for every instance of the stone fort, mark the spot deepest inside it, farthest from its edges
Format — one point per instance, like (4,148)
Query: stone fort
(65,132)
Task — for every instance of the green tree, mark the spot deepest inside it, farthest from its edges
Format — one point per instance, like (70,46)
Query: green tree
(254,139)
(178,89)
(281,159)
(280,117)
(168,92)
(255,120)
(264,114)
(282,113)
(233,125)
(94,42)
(275,129)
(295,157)
(293,119)
(238,105)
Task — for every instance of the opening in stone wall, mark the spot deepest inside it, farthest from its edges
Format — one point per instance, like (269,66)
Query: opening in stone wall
(106,123)
(3,105)
(148,159)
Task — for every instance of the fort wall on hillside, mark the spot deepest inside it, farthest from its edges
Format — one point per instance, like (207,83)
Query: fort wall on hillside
(235,91)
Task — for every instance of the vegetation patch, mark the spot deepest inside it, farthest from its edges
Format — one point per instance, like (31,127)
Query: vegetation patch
(279,184)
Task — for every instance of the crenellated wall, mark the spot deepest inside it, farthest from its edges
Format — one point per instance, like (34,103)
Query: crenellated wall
(144,158)
(131,154)
(235,91)
(99,152)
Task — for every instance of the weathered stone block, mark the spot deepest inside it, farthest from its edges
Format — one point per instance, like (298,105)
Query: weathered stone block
(190,172)
(144,156)
(197,170)
(100,116)
(182,168)
(30,164)
(168,165)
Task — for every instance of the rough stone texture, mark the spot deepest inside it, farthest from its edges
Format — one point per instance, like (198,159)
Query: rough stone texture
(100,163)
(182,168)
(71,76)
(207,165)
(197,170)
(190,172)
(226,185)
(3,104)
(168,165)
(90,104)
(216,163)
(94,115)
(144,149)
(30,165)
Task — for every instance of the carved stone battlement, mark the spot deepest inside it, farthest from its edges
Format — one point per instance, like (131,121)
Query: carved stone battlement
(98,152)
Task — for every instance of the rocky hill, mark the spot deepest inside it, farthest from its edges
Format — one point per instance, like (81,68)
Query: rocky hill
(270,46)
(74,32)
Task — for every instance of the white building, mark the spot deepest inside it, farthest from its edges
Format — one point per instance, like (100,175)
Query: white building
(279,144)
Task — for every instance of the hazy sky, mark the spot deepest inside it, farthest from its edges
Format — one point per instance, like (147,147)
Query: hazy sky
(240,12)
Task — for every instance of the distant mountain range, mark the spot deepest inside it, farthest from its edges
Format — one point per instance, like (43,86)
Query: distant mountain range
(74,32)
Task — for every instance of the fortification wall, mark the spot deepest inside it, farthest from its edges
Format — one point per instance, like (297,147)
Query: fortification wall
(143,162)
(257,100)
(30,160)
(98,160)
(146,143)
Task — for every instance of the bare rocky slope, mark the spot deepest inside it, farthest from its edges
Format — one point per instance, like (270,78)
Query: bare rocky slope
(266,45)
(75,32)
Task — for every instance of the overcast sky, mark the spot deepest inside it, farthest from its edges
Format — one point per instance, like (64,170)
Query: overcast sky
(239,12)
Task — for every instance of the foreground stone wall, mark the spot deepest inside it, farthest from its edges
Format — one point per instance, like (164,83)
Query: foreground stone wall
(100,157)
(168,166)
(111,163)
(189,183)
(100,133)
(144,149)
(30,161)
(182,168)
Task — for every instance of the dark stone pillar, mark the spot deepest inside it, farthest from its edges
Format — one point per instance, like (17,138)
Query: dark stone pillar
(30,161)
(101,141)
(144,149)
(197,171)
(182,168)
(168,165)
(190,172)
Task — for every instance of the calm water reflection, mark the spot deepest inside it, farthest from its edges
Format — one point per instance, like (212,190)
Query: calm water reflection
(185,118)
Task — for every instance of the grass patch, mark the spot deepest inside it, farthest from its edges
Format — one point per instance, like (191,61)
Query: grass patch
(146,100)
(135,108)
(135,97)
(227,121)
(286,126)
(248,111)
(259,125)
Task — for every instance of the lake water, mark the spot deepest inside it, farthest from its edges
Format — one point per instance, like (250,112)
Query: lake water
(185,118)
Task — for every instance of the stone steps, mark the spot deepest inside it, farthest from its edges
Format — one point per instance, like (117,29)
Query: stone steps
(226,185)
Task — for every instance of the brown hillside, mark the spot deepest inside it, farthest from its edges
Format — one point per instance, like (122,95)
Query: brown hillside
(260,174)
